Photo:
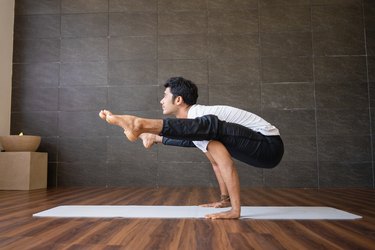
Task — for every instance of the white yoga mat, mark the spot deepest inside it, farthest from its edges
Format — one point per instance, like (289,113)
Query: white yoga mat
(257,213)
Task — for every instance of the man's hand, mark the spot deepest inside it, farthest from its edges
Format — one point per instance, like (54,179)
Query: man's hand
(150,139)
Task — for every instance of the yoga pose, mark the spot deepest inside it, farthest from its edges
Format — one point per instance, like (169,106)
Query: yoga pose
(221,132)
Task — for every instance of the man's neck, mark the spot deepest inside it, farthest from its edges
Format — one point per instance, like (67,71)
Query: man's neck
(183,112)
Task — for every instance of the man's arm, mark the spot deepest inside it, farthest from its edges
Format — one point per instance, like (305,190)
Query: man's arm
(228,172)
(178,143)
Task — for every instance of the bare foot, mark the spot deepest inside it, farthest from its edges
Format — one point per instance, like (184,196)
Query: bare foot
(148,139)
(104,113)
(231,214)
(127,122)
(218,204)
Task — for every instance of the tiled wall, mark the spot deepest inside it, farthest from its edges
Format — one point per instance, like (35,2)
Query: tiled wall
(307,66)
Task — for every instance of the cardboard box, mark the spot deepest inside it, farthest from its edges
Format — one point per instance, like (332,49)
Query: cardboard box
(23,170)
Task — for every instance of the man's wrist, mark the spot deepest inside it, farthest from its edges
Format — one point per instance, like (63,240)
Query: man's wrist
(158,139)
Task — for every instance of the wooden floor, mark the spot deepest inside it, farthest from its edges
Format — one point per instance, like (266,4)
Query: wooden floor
(19,230)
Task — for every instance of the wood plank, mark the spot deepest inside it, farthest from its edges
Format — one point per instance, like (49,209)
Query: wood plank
(19,230)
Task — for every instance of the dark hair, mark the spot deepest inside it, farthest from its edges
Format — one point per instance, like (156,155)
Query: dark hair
(184,88)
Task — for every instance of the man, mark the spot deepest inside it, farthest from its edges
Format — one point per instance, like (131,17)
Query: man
(221,132)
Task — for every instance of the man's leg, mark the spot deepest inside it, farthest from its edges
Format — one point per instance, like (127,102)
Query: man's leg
(225,200)
(198,129)
(201,128)
(230,177)
(244,144)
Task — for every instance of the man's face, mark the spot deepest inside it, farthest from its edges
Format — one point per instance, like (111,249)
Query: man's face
(167,104)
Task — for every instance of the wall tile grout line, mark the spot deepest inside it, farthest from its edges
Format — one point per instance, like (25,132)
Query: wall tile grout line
(368,94)
(260,74)
(315,103)
(157,177)
(108,184)
(58,104)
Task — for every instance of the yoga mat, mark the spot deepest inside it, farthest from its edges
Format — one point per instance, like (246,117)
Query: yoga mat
(256,213)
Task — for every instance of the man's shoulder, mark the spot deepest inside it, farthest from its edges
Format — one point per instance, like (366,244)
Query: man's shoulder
(196,110)
(208,107)
(199,109)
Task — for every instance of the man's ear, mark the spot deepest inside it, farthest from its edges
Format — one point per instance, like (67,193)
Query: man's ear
(179,100)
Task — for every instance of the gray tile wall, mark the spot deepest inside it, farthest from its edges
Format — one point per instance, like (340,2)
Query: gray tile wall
(307,66)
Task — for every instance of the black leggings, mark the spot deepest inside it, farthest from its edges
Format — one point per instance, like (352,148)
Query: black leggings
(242,143)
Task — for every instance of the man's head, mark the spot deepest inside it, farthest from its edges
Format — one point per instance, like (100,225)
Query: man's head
(178,92)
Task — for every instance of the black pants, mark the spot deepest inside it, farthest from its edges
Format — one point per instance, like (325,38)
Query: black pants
(242,143)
